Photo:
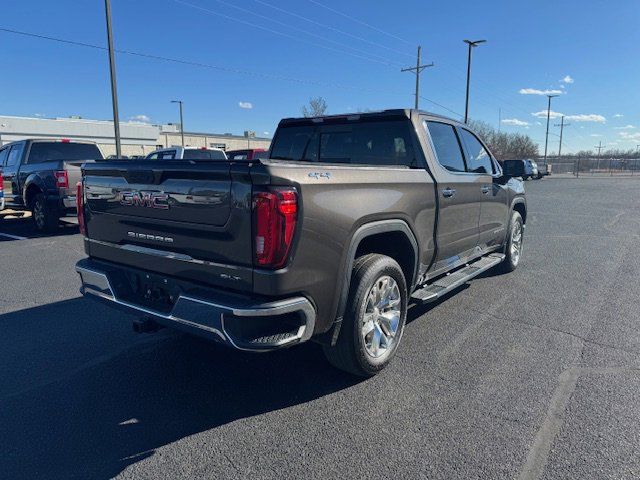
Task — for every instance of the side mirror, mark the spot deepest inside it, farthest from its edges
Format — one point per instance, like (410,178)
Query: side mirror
(513,168)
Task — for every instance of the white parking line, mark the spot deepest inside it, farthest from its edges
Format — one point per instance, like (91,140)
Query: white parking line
(14,237)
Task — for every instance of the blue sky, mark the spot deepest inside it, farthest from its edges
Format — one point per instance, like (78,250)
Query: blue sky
(276,54)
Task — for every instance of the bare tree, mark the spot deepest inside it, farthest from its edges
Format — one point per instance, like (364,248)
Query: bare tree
(316,108)
(505,146)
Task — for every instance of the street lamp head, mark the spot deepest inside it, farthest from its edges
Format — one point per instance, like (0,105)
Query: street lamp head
(176,101)
(474,43)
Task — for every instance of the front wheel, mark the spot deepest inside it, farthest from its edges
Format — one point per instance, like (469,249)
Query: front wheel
(374,321)
(513,250)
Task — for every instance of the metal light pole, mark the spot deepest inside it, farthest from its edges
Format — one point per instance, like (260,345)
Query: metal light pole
(181,120)
(471,45)
(546,140)
(114,87)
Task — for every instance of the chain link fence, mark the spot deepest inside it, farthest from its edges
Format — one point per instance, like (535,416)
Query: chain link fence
(591,167)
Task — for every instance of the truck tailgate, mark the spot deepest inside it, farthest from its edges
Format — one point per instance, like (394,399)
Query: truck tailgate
(187,219)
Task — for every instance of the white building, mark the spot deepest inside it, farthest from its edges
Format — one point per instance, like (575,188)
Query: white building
(136,138)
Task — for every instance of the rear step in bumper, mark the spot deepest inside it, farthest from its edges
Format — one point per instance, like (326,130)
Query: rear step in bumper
(206,318)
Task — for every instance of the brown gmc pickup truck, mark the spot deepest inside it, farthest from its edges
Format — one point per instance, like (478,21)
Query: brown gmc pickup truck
(349,219)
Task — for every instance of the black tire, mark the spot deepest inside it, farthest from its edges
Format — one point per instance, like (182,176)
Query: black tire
(45,218)
(511,259)
(350,353)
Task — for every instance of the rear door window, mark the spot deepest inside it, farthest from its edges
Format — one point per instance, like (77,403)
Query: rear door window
(4,153)
(446,145)
(478,159)
(15,154)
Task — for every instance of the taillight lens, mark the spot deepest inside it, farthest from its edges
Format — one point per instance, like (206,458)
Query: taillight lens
(62,179)
(80,207)
(1,182)
(275,213)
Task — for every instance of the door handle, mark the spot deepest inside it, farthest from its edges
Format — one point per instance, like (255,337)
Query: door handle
(485,189)
(448,192)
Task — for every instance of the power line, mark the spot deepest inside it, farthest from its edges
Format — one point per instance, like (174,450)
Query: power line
(342,32)
(377,58)
(441,106)
(276,32)
(360,22)
(183,62)
(210,66)
(448,67)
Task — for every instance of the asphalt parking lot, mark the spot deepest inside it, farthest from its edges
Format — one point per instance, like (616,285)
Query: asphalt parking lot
(534,374)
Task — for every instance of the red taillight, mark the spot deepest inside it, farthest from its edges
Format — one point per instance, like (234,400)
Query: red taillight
(275,214)
(62,179)
(80,207)
(65,140)
(1,182)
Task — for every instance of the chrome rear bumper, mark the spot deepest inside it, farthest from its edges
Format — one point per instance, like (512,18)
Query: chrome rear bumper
(209,318)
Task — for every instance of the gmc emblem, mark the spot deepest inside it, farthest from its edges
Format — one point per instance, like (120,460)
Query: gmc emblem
(145,199)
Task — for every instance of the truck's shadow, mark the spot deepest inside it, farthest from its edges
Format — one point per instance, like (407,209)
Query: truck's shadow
(97,420)
(24,227)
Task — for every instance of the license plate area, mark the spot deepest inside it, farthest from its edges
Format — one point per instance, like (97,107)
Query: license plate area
(155,292)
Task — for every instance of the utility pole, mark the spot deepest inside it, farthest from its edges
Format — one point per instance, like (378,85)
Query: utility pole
(546,140)
(114,87)
(599,147)
(562,125)
(181,120)
(417,70)
(471,45)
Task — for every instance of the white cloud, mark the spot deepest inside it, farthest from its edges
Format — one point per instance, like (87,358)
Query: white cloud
(543,114)
(515,121)
(266,134)
(140,119)
(626,127)
(567,79)
(618,115)
(247,105)
(39,115)
(563,87)
(592,117)
(535,91)
(635,137)
(595,135)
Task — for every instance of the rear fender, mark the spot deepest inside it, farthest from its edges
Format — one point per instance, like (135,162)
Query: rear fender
(368,230)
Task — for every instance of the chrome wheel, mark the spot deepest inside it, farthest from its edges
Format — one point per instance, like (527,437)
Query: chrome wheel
(38,214)
(516,243)
(382,317)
